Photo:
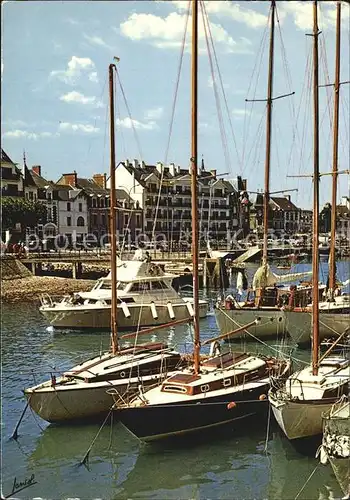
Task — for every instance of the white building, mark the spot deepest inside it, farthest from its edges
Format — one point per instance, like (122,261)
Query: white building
(164,194)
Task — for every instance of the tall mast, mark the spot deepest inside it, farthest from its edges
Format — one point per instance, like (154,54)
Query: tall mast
(112,211)
(316,178)
(194,186)
(268,133)
(335,155)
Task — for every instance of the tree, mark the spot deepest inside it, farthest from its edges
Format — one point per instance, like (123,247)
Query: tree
(18,210)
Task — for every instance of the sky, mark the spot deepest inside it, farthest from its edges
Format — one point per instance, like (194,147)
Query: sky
(54,65)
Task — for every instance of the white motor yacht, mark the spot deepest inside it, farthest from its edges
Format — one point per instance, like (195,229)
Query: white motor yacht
(146,297)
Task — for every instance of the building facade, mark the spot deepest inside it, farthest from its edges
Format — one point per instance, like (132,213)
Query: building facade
(164,194)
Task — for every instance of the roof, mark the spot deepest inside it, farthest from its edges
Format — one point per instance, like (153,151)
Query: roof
(5,157)
(28,178)
(91,187)
(284,204)
(40,181)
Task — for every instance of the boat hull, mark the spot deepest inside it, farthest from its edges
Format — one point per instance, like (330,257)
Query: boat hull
(341,469)
(80,317)
(82,402)
(231,319)
(299,419)
(298,325)
(152,422)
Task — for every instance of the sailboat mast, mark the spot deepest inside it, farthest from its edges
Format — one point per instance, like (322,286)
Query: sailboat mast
(268,133)
(335,154)
(316,179)
(112,212)
(194,186)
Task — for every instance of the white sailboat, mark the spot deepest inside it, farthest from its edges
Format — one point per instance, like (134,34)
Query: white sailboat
(335,309)
(225,388)
(268,300)
(299,402)
(81,392)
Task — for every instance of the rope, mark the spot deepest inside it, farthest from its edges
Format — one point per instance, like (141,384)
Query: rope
(308,479)
(216,94)
(129,114)
(261,341)
(171,120)
(222,86)
(86,456)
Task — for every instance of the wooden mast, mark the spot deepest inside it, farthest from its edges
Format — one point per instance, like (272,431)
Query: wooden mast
(316,178)
(112,212)
(194,186)
(268,134)
(332,265)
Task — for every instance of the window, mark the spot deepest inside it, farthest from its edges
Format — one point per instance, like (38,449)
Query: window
(49,196)
(138,220)
(80,221)
(69,221)
(140,287)
(103,219)
(68,207)
(102,202)
(94,202)
(126,219)
(31,195)
(80,207)
(158,285)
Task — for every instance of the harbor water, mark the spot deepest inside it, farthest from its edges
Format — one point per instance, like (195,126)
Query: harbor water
(253,462)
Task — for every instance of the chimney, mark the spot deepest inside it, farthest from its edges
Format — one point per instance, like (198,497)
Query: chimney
(159,166)
(136,163)
(244,183)
(213,173)
(70,179)
(101,180)
(36,169)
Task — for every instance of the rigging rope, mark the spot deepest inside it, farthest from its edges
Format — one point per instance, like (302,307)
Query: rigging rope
(183,43)
(222,86)
(129,114)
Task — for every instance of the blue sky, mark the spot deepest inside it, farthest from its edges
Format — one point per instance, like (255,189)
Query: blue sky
(54,87)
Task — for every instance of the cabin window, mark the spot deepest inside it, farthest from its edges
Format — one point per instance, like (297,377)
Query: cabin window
(205,388)
(158,285)
(121,285)
(174,388)
(226,382)
(141,287)
(105,286)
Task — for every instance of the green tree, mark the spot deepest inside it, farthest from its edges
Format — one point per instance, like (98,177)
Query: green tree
(27,213)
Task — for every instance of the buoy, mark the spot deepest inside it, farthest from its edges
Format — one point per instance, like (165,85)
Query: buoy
(190,308)
(262,397)
(171,310)
(126,311)
(154,311)
(231,405)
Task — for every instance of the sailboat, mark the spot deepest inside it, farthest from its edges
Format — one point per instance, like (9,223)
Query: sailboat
(335,310)
(81,392)
(226,387)
(299,402)
(268,297)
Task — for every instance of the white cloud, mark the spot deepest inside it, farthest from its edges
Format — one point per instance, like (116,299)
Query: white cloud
(77,66)
(128,123)
(302,13)
(24,134)
(96,40)
(154,113)
(218,83)
(78,127)
(93,77)
(168,32)
(81,99)
(250,17)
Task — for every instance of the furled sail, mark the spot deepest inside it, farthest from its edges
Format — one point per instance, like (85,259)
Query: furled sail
(265,277)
